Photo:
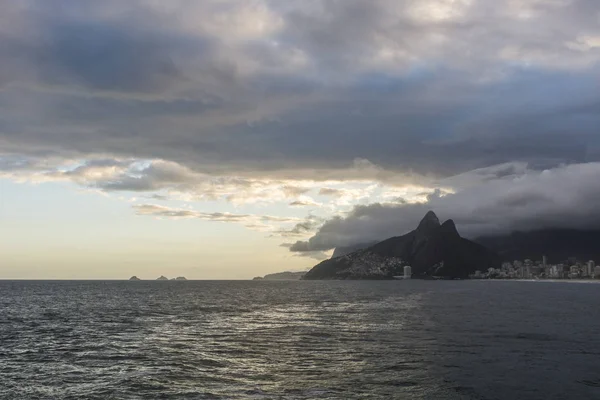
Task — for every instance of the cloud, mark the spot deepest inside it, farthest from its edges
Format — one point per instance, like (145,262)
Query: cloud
(167,212)
(507,199)
(167,180)
(261,223)
(237,87)
(486,111)
(294,191)
(304,203)
(307,226)
(158,197)
(332,192)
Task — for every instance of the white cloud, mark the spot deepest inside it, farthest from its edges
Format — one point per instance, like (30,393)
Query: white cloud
(177,182)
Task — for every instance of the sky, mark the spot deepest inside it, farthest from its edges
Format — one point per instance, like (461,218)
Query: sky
(225,139)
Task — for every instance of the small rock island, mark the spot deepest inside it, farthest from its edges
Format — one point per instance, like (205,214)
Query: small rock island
(162,278)
(179,278)
(134,278)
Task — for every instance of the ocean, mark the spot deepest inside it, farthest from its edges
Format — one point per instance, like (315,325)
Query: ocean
(299,340)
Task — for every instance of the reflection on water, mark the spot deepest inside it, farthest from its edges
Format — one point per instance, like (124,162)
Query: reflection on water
(299,340)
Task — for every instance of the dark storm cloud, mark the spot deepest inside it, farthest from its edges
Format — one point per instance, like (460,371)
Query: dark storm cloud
(433,87)
(563,197)
(106,57)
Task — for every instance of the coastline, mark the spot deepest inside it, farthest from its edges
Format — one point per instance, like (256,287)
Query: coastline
(541,280)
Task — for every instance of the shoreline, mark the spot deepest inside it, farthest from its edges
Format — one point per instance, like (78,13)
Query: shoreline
(541,280)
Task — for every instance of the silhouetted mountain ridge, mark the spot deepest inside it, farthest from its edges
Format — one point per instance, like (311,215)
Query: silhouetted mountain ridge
(433,249)
(282,276)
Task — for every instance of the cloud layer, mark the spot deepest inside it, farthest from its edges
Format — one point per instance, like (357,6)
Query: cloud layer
(434,86)
(486,111)
(498,200)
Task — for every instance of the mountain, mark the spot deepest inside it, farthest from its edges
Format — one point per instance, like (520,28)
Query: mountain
(343,250)
(282,276)
(556,244)
(432,250)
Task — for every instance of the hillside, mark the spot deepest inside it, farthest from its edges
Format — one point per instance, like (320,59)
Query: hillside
(432,250)
(282,276)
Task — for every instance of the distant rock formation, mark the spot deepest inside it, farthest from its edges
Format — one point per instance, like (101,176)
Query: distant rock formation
(134,278)
(179,278)
(282,276)
(162,278)
(432,250)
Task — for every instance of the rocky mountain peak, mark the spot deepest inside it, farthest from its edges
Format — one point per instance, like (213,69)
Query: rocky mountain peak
(432,250)
(449,229)
(428,225)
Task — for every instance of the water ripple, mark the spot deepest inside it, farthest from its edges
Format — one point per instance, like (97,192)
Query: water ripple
(296,340)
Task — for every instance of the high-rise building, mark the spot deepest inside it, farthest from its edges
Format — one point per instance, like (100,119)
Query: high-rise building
(544,262)
(561,270)
(597,272)
(590,266)
(407,272)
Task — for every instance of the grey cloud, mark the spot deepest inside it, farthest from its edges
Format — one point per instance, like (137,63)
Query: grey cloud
(261,223)
(107,57)
(331,192)
(303,246)
(562,197)
(269,218)
(294,191)
(436,92)
(303,203)
(310,224)
(15,163)
(160,197)
(166,212)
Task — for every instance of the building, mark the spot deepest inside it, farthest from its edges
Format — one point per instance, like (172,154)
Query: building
(407,272)
(574,272)
(556,271)
(597,272)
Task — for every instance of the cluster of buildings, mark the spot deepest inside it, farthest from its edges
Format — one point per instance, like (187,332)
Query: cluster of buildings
(571,269)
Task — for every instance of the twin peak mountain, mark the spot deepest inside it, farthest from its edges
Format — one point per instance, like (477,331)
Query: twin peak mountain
(432,250)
